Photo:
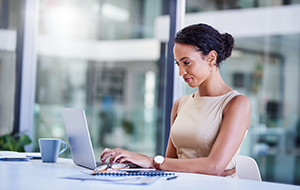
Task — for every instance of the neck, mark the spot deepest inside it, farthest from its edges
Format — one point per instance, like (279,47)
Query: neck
(213,85)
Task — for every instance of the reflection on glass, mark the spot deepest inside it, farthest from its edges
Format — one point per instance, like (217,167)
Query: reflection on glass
(193,6)
(7,91)
(265,67)
(118,92)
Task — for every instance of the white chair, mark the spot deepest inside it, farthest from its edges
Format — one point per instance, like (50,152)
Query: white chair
(247,168)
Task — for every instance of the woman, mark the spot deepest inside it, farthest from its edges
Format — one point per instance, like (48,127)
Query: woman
(208,126)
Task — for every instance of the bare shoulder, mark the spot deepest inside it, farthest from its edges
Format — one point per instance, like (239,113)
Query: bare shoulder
(238,103)
(237,113)
(174,110)
(176,104)
(240,99)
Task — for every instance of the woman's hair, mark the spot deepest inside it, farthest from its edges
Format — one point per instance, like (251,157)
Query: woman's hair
(205,38)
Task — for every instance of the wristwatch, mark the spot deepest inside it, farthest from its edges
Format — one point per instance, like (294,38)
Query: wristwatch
(158,160)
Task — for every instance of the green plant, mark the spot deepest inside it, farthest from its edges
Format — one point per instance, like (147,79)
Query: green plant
(14,142)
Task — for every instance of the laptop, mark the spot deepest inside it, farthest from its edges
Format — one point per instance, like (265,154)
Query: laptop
(79,137)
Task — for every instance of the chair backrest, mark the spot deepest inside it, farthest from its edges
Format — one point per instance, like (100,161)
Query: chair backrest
(247,168)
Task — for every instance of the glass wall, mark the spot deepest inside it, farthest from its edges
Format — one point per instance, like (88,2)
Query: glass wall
(99,55)
(8,40)
(265,67)
(7,90)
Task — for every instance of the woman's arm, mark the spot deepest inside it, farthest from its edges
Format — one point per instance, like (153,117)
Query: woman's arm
(235,123)
(171,150)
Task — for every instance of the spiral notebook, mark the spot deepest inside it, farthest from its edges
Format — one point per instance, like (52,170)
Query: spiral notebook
(130,177)
(149,173)
(129,180)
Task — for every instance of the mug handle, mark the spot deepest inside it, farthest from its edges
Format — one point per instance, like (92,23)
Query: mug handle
(65,147)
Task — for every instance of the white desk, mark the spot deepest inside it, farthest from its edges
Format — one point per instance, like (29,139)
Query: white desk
(37,175)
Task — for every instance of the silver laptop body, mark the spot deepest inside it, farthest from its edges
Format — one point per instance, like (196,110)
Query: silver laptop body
(79,137)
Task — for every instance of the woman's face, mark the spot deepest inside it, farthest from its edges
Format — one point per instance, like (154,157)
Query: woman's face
(192,64)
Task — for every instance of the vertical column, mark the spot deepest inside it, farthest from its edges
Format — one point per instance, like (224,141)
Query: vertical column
(4,14)
(173,86)
(29,68)
(180,14)
(18,8)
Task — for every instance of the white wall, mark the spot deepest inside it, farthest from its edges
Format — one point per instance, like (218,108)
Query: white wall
(252,22)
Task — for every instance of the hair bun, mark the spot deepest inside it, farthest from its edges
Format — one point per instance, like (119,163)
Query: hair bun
(205,38)
(228,42)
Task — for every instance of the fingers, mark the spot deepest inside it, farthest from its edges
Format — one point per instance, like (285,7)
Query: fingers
(114,154)
(123,156)
(122,160)
(115,157)
(105,154)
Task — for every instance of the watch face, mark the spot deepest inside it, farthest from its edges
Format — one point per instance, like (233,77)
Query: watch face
(159,159)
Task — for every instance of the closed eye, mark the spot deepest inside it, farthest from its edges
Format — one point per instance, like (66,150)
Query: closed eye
(185,63)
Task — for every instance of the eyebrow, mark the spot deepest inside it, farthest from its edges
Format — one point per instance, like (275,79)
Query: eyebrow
(182,58)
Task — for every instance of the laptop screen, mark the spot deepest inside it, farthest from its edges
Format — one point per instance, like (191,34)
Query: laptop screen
(79,137)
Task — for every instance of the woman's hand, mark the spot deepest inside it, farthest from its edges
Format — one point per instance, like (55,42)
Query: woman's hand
(123,156)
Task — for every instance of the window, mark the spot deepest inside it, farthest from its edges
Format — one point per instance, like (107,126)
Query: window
(90,57)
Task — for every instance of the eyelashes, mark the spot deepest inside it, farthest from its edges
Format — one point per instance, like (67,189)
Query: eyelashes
(185,63)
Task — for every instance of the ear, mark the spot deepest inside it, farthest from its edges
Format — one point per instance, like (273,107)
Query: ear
(212,57)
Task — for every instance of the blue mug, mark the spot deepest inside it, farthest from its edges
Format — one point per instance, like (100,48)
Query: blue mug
(49,148)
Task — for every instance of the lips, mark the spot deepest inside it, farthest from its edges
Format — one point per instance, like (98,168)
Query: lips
(187,79)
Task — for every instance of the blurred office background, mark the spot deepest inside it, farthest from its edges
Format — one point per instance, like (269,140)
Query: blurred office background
(109,57)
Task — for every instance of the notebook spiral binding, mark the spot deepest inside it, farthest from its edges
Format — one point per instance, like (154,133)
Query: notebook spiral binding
(136,173)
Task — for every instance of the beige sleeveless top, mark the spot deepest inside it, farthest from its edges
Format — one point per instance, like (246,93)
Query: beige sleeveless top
(197,125)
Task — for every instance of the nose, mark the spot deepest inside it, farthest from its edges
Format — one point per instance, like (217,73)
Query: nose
(182,71)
